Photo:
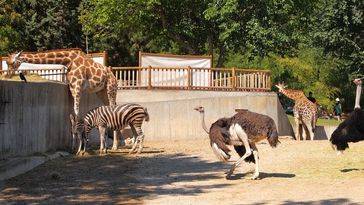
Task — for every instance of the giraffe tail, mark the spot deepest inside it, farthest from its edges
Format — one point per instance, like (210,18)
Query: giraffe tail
(313,122)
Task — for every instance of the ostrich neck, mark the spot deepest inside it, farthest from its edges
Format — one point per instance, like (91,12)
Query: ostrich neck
(357,98)
(204,123)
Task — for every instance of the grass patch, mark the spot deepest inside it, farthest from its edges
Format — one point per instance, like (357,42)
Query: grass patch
(31,77)
(320,122)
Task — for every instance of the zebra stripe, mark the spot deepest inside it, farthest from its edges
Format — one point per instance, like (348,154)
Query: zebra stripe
(117,117)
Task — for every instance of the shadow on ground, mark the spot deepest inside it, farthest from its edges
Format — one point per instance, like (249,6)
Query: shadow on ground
(110,179)
(318,202)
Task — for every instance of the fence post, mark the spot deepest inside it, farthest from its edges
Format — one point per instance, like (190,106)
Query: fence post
(234,78)
(1,63)
(139,81)
(63,74)
(189,77)
(150,77)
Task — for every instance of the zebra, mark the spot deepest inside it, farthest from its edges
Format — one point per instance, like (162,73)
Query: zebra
(114,117)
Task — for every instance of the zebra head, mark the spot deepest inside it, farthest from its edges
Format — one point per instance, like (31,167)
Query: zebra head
(77,130)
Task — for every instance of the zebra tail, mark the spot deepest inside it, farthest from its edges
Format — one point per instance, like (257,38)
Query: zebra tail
(146,114)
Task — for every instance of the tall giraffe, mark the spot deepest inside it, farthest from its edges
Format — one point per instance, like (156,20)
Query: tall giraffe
(304,111)
(83,73)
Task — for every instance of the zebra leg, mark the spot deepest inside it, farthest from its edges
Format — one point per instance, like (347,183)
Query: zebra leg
(84,146)
(115,141)
(135,145)
(141,144)
(79,147)
(102,139)
(137,131)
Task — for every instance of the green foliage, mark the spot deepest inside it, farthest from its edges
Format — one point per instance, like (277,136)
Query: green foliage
(311,45)
(309,71)
(10,19)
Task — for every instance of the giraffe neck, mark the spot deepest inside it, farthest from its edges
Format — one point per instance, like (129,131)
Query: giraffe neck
(61,57)
(293,94)
(357,98)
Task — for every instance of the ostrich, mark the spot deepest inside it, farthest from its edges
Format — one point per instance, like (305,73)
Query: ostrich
(243,131)
(352,129)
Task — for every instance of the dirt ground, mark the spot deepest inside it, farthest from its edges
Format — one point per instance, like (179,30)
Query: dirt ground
(187,172)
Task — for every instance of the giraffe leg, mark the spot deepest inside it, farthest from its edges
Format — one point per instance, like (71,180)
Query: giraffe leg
(297,134)
(111,89)
(102,95)
(304,131)
(115,141)
(237,131)
(75,89)
(310,131)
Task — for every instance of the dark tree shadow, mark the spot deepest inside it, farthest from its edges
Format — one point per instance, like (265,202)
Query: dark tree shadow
(318,202)
(110,179)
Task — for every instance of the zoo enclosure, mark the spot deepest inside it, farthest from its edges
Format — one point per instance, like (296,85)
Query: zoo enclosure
(175,78)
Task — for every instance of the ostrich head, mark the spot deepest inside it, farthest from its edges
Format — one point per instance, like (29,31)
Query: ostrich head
(281,86)
(199,109)
(14,61)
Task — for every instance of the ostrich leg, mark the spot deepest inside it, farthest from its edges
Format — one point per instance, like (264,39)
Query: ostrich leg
(256,158)
(238,133)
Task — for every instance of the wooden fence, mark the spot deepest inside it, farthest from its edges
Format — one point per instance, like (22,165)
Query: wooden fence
(56,74)
(177,78)
(193,78)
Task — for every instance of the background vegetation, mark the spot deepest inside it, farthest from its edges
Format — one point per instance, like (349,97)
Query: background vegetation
(314,45)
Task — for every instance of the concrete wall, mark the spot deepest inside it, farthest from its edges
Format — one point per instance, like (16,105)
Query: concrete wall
(34,117)
(172,115)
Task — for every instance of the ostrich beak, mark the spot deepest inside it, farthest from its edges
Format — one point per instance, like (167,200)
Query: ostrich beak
(339,153)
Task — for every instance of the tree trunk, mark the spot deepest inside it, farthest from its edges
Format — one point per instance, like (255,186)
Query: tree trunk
(222,57)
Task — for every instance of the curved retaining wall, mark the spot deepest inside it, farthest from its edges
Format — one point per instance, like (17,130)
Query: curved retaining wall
(34,117)
(172,115)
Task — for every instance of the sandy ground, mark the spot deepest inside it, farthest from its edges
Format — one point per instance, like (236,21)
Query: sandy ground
(187,172)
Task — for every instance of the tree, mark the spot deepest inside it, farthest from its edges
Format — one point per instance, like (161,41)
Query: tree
(10,22)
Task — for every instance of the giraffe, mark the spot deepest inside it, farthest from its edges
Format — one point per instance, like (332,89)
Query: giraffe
(83,74)
(304,111)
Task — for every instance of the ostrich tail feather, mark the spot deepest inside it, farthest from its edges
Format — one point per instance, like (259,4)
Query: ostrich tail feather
(221,155)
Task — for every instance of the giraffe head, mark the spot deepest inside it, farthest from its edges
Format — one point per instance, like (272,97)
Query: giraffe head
(14,61)
(281,86)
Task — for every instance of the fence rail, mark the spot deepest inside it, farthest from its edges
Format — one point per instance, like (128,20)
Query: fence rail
(56,74)
(176,78)
(192,78)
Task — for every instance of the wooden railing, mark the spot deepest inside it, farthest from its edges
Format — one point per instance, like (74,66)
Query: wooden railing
(176,78)
(56,74)
(192,78)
